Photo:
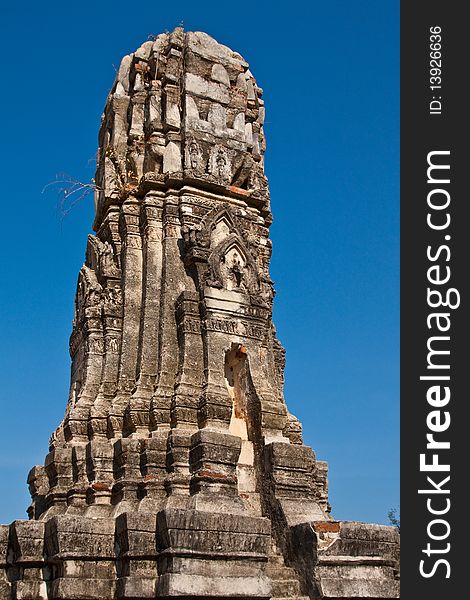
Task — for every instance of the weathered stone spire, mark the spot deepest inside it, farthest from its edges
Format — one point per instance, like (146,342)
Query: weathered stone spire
(182,216)
(177,470)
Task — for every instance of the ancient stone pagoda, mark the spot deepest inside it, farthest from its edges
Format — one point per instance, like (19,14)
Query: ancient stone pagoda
(177,471)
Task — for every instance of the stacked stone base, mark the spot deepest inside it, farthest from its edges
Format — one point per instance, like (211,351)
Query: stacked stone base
(203,538)
(174,554)
(194,554)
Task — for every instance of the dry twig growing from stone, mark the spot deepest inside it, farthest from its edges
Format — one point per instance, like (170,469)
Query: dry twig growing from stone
(70,191)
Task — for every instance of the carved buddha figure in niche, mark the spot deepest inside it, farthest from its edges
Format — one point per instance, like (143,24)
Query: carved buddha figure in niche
(195,157)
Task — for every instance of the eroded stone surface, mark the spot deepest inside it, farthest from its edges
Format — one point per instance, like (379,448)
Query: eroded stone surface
(177,470)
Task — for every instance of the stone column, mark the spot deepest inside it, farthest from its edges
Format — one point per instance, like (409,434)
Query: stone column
(173,283)
(213,462)
(82,552)
(184,405)
(112,327)
(215,406)
(112,323)
(291,472)
(58,466)
(127,476)
(136,565)
(273,409)
(153,460)
(132,301)
(76,421)
(26,552)
(76,497)
(138,409)
(177,481)
(99,457)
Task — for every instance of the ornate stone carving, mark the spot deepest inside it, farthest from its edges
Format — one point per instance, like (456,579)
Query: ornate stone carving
(194,157)
(230,264)
(220,165)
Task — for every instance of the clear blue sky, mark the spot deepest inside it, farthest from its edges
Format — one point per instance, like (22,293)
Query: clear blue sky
(330,75)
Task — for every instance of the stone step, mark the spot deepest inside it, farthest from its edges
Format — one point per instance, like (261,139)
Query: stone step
(279,572)
(285,588)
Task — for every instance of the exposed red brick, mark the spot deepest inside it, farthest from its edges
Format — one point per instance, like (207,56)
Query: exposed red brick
(237,190)
(326,526)
(100,486)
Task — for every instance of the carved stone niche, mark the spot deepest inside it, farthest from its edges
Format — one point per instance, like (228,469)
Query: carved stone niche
(220,165)
(194,157)
(231,266)
(220,244)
